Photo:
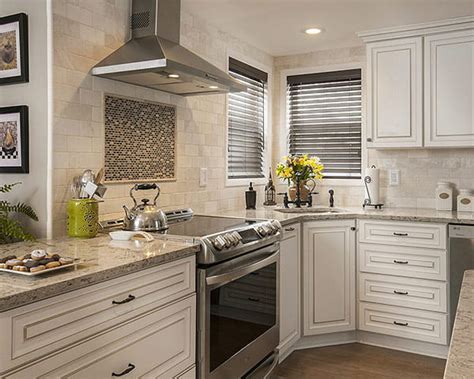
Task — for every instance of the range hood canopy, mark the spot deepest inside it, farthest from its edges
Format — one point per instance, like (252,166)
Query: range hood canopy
(154,58)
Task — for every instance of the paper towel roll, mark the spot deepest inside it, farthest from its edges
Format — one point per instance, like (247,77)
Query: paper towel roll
(374,186)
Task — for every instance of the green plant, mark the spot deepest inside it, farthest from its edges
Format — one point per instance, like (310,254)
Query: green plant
(11,229)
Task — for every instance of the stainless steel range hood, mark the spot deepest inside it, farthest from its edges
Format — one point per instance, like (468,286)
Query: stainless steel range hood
(154,58)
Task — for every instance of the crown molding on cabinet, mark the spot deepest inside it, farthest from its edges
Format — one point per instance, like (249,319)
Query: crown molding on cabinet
(452,24)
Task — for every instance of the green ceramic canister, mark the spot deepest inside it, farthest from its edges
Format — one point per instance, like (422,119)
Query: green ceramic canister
(82,218)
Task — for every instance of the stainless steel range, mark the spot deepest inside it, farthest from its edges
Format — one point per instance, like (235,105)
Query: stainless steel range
(238,271)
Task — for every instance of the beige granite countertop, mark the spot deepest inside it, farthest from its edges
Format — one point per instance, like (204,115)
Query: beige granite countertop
(102,259)
(398,214)
(460,362)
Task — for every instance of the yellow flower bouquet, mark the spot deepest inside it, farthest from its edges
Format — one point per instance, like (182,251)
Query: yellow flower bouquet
(307,167)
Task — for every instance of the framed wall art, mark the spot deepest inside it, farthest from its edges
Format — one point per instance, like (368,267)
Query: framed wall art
(14,155)
(14,49)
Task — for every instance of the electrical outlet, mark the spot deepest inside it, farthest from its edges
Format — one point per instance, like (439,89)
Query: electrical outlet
(203,177)
(394,178)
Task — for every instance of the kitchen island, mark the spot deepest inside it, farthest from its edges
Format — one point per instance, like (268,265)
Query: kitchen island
(101,260)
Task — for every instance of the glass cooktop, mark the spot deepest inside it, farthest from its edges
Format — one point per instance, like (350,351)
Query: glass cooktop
(200,226)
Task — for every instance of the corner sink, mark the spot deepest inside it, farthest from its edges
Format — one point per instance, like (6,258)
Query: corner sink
(319,210)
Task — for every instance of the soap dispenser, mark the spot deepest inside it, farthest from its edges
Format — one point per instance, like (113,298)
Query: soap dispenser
(250,197)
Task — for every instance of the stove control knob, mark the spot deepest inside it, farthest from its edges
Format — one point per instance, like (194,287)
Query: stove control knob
(261,231)
(219,243)
(236,237)
(228,240)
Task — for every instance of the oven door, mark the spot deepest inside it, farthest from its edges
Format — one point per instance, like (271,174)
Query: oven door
(238,313)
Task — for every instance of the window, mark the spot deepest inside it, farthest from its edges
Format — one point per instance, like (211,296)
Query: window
(246,137)
(324,116)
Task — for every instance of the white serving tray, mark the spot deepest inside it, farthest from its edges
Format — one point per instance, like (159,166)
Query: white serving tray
(76,262)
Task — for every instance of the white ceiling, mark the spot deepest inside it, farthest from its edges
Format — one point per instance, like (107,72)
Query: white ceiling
(276,26)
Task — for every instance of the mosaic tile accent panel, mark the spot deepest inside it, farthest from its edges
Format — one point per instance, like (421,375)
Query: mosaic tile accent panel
(140,140)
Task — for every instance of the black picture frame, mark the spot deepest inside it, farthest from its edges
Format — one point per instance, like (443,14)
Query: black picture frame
(20,162)
(21,73)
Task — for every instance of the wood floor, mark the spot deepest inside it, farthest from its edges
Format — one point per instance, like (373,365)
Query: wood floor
(358,361)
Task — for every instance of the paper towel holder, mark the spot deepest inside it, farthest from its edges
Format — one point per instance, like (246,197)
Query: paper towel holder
(368,201)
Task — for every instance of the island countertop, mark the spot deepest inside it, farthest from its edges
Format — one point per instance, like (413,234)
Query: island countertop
(460,362)
(102,259)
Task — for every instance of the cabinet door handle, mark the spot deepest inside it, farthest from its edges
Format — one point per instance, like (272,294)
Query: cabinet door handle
(400,323)
(253,299)
(400,234)
(369,139)
(400,292)
(127,300)
(130,368)
(400,262)
(290,229)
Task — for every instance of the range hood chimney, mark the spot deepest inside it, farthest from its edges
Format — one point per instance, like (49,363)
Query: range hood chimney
(154,58)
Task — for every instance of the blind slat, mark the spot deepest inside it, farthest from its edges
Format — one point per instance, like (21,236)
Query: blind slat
(325,115)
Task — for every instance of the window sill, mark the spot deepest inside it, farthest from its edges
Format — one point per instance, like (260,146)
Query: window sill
(244,182)
(341,182)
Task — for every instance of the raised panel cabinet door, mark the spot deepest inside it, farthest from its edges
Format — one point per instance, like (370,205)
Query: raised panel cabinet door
(449,86)
(329,276)
(395,93)
(290,261)
(158,344)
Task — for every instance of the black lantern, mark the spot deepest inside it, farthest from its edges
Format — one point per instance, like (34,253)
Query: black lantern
(270,190)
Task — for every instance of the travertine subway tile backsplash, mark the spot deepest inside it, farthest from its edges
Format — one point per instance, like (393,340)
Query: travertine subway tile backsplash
(85,32)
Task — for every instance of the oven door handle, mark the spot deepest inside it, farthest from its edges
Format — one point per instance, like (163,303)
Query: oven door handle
(241,271)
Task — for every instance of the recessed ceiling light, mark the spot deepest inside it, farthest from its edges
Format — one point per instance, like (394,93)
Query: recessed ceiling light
(313,31)
(173,76)
(213,87)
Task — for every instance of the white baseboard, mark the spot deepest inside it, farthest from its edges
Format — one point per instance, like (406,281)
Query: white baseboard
(368,338)
(402,344)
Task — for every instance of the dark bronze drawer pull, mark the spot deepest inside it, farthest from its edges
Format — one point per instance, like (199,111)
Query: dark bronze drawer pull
(400,234)
(130,368)
(290,229)
(400,292)
(400,262)
(127,300)
(253,299)
(400,323)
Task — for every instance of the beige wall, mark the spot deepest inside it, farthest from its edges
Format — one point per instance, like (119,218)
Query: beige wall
(84,33)
(34,94)
(420,169)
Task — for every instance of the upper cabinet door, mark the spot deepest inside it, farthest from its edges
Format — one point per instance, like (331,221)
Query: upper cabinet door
(395,93)
(449,82)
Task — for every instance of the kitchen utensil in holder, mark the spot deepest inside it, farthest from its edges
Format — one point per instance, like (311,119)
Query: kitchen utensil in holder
(83,218)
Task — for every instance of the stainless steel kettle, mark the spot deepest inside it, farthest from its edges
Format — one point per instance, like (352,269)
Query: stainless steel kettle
(145,217)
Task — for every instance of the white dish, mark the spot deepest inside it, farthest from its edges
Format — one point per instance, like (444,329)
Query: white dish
(124,235)
(26,273)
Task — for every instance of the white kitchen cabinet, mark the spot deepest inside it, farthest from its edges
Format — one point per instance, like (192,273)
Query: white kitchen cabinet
(329,276)
(144,322)
(290,262)
(395,93)
(449,86)
(159,344)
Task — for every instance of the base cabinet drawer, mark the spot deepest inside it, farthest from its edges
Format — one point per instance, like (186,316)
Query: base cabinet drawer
(402,261)
(413,234)
(41,328)
(160,344)
(403,322)
(404,292)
